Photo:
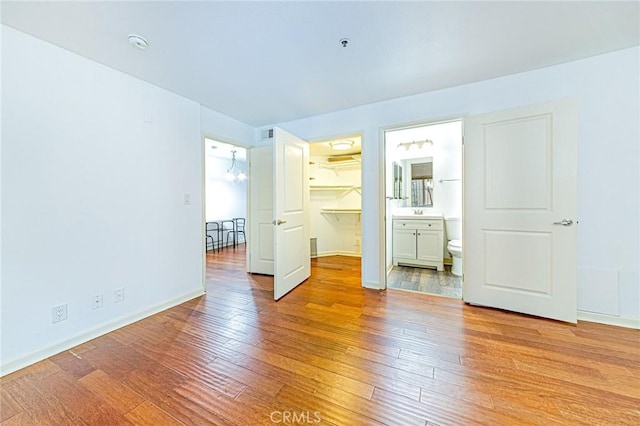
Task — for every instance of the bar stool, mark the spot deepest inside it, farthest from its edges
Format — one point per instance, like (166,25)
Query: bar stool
(229,230)
(238,228)
(213,228)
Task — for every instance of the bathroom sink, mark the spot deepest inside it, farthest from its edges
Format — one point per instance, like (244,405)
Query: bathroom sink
(413,216)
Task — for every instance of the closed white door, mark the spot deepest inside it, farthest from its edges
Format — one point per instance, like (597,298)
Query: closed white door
(519,235)
(260,239)
(291,212)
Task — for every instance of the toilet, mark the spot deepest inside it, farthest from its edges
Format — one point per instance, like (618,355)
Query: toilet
(453,226)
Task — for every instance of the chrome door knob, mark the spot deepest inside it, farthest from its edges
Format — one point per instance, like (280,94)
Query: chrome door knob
(564,222)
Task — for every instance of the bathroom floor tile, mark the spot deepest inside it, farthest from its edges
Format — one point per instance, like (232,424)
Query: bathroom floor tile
(425,280)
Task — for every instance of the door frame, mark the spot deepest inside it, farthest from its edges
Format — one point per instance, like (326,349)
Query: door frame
(382,176)
(203,195)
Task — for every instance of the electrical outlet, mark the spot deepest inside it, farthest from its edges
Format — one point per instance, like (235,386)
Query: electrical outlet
(118,295)
(59,313)
(97,301)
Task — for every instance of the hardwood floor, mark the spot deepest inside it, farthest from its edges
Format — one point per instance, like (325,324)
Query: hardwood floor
(331,352)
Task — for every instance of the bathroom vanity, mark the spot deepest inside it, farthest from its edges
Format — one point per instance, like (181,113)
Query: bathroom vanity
(418,240)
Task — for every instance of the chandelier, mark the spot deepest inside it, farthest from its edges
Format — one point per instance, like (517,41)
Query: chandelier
(233,174)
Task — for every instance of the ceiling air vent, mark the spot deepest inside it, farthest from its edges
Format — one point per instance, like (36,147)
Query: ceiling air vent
(267,134)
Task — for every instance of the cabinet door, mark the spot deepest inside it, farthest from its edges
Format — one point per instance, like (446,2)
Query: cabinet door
(404,243)
(429,245)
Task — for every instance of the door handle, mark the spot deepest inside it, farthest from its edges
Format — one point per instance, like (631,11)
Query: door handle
(279,222)
(564,222)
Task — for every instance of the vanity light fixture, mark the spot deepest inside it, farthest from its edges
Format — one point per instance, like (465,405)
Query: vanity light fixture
(138,41)
(342,144)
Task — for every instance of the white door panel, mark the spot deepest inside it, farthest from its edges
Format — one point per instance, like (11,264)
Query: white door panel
(261,243)
(519,179)
(291,212)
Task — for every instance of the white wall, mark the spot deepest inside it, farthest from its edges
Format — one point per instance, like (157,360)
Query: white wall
(224,199)
(95,168)
(225,129)
(607,88)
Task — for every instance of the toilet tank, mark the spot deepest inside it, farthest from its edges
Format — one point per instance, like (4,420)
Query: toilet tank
(453,225)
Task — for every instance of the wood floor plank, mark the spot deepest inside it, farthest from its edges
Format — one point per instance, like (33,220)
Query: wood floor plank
(147,414)
(8,406)
(73,364)
(353,356)
(82,402)
(112,391)
(20,419)
(310,371)
(245,376)
(332,413)
(40,405)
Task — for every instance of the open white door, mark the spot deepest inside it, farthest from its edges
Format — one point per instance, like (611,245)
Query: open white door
(261,242)
(291,212)
(519,242)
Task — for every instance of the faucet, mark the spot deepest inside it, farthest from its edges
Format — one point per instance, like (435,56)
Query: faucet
(417,211)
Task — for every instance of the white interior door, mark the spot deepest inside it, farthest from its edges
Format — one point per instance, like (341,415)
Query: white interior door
(519,242)
(260,237)
(291,208)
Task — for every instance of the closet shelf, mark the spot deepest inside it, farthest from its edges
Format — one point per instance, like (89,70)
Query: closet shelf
(339,188)
(341,211)
(330,187)
(341,164)
(337,166)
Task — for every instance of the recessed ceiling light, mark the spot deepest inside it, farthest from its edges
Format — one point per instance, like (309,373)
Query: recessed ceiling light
(138,41)
(342,144)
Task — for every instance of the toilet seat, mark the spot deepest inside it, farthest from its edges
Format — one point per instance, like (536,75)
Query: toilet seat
(455,245)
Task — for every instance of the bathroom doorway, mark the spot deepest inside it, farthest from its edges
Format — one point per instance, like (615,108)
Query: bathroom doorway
(423,188)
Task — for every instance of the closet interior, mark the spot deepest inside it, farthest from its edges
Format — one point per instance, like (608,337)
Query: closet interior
(335,187)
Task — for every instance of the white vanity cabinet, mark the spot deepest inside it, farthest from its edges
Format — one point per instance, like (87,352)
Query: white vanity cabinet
(418,242)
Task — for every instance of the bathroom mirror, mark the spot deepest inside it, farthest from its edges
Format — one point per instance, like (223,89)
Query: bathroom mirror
(421,182)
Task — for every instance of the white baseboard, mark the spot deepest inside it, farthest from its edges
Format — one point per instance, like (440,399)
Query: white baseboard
(609,319)
(372,285)
(45,353)
(339,253)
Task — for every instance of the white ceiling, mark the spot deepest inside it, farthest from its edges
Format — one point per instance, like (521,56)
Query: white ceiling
(269,62)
